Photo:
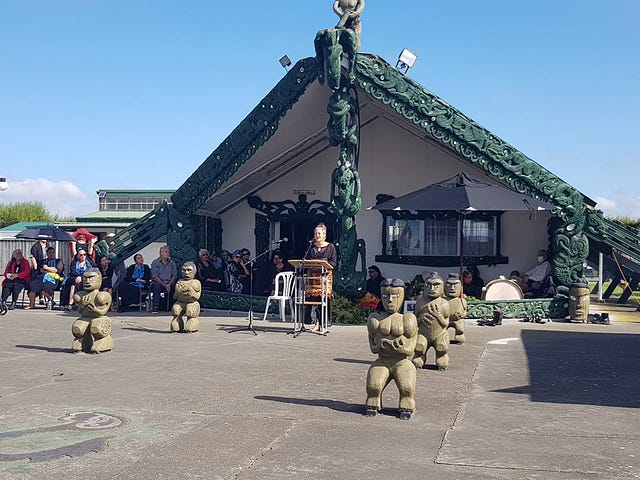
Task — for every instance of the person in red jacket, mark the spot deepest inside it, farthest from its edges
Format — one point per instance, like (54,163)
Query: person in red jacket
(16,277)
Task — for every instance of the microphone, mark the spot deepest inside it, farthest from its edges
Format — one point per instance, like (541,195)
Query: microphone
(284,240)
(311,241)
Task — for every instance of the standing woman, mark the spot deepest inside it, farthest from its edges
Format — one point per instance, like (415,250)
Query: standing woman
(17,275)
(85,240)
(321,249)
(237,270)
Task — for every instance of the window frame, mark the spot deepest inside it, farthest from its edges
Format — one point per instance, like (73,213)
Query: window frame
(440,260)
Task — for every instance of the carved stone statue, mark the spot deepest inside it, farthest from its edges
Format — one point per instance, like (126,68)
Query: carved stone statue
(92,331)
(187,294)
(433,321)
(579,302)
(457,306)
(392,336)
(349,12)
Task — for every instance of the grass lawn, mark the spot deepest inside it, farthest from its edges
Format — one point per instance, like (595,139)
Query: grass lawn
(634,298)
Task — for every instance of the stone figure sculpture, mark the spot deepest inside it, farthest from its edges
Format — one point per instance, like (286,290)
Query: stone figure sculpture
(433,321)
(349,12)
(187,294)
(457,306)
(92,331)
(579,302)
(392,336)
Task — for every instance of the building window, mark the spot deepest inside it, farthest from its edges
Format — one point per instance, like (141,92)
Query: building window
(433,238)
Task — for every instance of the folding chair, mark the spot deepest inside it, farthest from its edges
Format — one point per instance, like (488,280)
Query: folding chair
(283,293)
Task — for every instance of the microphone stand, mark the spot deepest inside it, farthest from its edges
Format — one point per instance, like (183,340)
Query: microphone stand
(250,313)
(295,333)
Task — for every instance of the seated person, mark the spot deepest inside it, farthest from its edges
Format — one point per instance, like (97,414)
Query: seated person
(536,282)
(210,272)
(136,280)
(73,282)
(373,284)
(277,265)
(164,274)
(48,278)
(472,283)
(514,276)
(106,270)
(17,275)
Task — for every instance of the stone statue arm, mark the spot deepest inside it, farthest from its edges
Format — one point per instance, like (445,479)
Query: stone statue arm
(373,324)
(406,343)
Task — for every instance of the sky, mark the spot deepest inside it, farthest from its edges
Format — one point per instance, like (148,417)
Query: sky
(135,94)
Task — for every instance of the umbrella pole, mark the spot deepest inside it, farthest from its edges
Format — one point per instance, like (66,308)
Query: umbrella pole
(461,244)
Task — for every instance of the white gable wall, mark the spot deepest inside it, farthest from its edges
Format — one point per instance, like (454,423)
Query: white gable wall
(392,161)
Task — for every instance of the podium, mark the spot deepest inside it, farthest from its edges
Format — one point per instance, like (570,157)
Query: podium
(313,284)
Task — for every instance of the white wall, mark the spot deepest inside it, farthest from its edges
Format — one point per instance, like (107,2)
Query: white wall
(392,161)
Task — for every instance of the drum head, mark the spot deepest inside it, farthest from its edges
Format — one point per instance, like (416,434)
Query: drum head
(501,289)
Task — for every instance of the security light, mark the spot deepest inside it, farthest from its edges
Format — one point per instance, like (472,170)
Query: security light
(406,60)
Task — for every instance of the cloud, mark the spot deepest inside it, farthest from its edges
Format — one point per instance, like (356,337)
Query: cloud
(61,198)
(625,206)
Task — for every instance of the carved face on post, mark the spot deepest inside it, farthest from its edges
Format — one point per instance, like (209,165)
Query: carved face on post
(453,288)
(91,280)
(392,291)
(188,271)
(578,302)
(434,286)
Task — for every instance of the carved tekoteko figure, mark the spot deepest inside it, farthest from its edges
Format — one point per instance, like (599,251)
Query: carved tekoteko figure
(349,12)
(187,294)
(92,331)
(392,335)
(457,306)
(433,321)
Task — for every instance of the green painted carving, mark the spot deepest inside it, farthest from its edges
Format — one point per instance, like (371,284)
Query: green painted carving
(180,237)
(332,47)
(480,147)
(138,235)
(335,57)
(537,308)
(246,138)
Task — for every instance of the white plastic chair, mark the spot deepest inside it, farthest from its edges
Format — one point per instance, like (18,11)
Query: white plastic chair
(284,284)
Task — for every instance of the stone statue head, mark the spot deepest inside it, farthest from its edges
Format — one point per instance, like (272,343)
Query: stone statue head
(91,280)
(188,270)
(453,286)
(392,290)
(433,285)
(579,301)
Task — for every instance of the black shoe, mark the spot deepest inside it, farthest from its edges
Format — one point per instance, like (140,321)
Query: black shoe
(11,306)
(404,414)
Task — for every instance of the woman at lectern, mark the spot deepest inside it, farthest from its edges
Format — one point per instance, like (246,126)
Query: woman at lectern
(321,249)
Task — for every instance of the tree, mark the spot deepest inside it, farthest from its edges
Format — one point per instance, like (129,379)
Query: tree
(23,212)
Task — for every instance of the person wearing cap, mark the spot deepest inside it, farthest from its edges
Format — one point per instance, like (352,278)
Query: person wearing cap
(373,284)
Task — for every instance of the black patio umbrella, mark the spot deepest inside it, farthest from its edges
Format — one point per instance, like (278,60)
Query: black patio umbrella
(463,194)
(46,232)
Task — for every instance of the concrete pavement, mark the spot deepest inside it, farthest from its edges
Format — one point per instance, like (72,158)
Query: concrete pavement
(554,401)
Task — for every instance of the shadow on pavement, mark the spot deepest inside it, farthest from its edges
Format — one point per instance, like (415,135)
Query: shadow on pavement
(354,360)
(582,368)
(47,349)
(316,402)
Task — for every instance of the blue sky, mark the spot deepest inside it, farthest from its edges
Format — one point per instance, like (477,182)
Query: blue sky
(123,94)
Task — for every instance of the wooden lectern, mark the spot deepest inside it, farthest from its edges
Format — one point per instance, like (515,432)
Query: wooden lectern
(314,280)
